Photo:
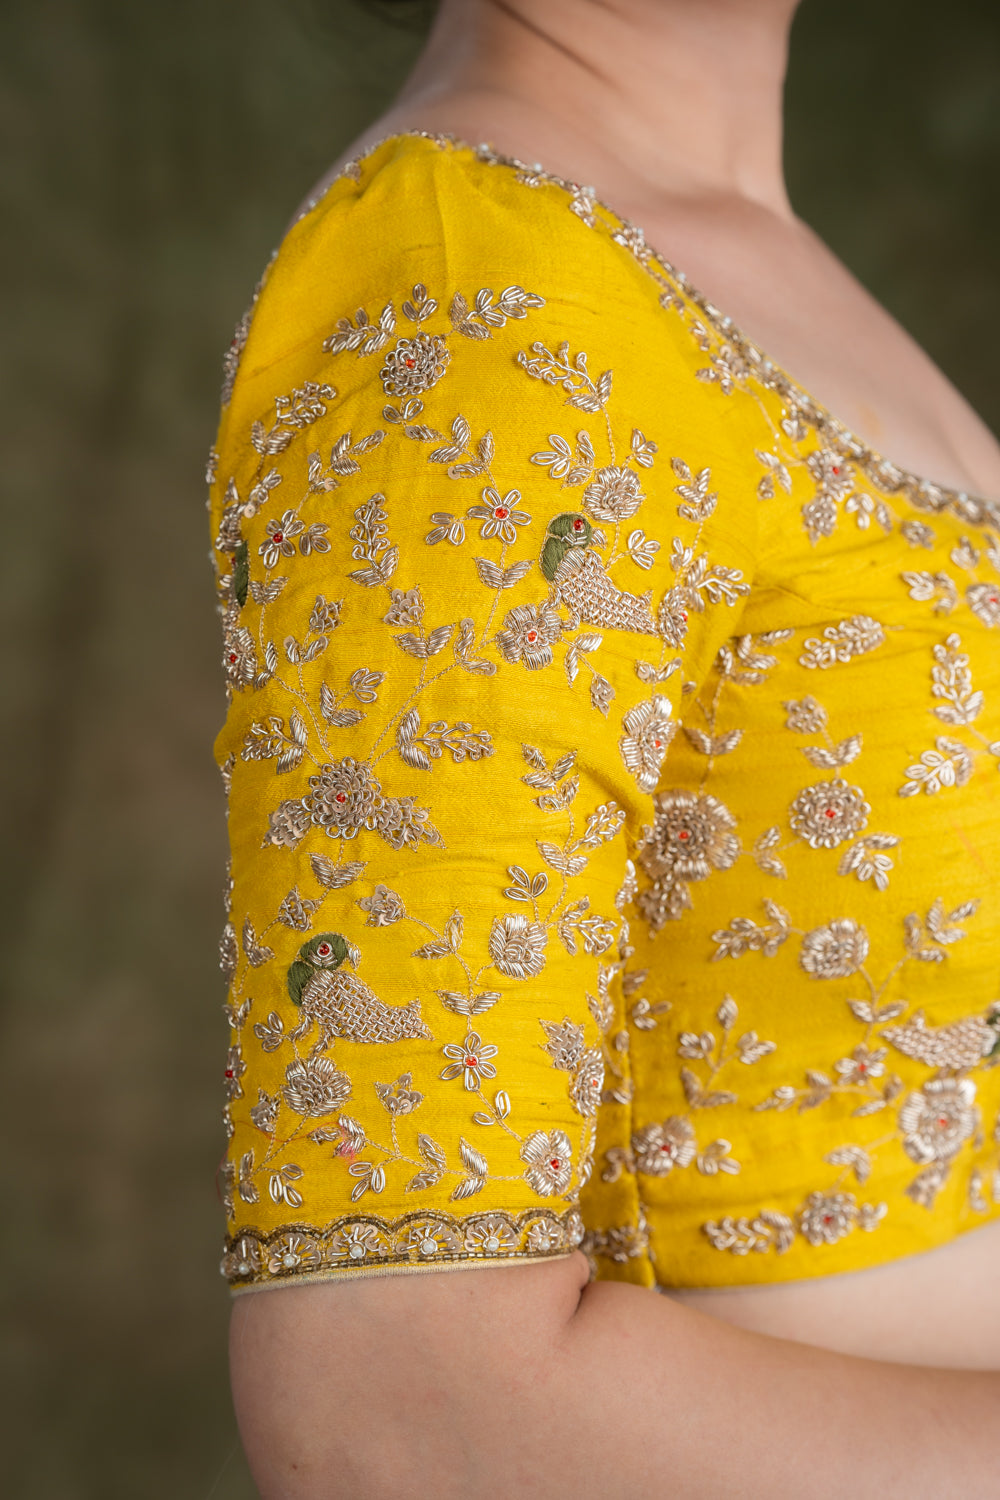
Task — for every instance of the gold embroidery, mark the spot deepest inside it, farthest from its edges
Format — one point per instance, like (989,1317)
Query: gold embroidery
(420,672)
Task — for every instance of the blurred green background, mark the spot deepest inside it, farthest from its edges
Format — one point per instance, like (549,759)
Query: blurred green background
(154,153)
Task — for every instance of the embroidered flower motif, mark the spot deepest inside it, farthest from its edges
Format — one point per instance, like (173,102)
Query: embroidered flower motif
(407,607)
(660,1148)
(527,634)
(674,612)
(279,538)
(828,813)
(863,1063)
(234,1070)
(835,951)
(984,601)
(936,1119)
(614,494)
(826,1217)
(264,1113)
(293,1254)
(239,655)
(588,1081)
(648,731)
(415,365)
(356,1243)
(550,1167)
(243,1259)
(428,1240)
(690,837)
(324,617)
(517,946)
(833,475)
(543,1237)
(805,716)
(383,907)
(403,825)
(314,1086)
(398,1097)
(345,798)
(471,1061)
(499,516)
(288,823)
(492,1235)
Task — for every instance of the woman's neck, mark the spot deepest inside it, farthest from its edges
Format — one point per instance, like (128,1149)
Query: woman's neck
(686,95)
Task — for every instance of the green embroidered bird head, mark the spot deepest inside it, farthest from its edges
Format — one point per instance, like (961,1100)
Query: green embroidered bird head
(564,532)
(326,951)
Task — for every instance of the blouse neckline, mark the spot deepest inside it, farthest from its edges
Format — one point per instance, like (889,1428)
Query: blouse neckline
(750,358)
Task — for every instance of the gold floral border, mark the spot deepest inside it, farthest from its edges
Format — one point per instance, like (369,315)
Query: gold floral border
(360,1245)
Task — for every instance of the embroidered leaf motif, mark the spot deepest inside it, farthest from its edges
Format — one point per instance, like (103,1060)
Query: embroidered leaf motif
(468,1005)
(423,647)
(461,322)
(271,1033)
(431,1152)
(437,949)
(841,755)
(472,1159)
(525,887)
(468,1186)
(426,1178)
(256,953)
(354,1135)
(332,875)
(559,860)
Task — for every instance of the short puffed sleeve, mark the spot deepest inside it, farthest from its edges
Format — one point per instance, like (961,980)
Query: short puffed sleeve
(467,563)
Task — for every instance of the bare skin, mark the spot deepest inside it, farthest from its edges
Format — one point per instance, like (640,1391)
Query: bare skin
(526,1380)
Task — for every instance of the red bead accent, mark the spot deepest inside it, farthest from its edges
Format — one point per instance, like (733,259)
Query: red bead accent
(532,635)
(830,812)
(409,363)
(472,1062)
(501,512)
(578,525)
(836,468)
(684,834)
(232,656)
(230,1073)
(828,1218)
(279,536)
(942,1120)
(323,949)
(340,797)
(555,1163)
(684,614)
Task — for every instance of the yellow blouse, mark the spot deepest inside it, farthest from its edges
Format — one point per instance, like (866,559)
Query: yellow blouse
(612,754)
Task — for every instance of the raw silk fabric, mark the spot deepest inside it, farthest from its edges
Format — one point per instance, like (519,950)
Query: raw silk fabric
(611,747)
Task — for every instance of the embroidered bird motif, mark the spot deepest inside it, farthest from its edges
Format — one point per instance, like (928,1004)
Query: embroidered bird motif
(580,582)
(961,1044)
(340,1004)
